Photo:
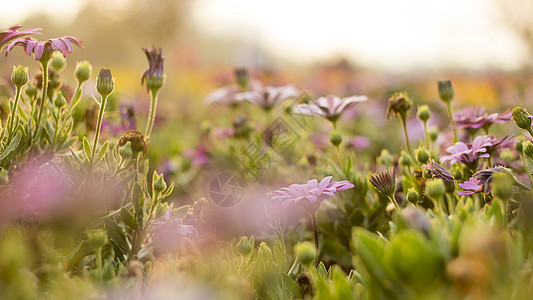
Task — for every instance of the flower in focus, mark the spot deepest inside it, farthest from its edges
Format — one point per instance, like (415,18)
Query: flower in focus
(329,107)
(270,96)
(309,195)
(43,50)
(468,154)
(12,33)
(438,171)
(154,74)
(169,232)
(477,118)
(384,182)
(470,187)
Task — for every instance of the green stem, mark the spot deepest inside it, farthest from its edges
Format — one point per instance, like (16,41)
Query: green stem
(426,136)
(57,126)
(526,169)
(452,122)
(99,258)
(404,125)
(75,100)
(44,95)
(153,108)
(314,223)
(13,112)
(103,103)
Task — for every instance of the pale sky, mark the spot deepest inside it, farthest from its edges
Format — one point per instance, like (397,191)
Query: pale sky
(399,34)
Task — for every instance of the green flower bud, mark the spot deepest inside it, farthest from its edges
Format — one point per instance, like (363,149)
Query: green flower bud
(242,76)
(446,92)
(58,62)
(413,196)
(385,158)
(521,119)
(83,71)
(399,105)
(426,174)
(159,183)
(125,151)
(105,83)
(435,188)
(507,154)
(423,113)
(335,138)
(19,77)
(405,159)
(422,155)
(245,246)
(97,238)
(502,185)
(518,146)
(433,133)
(30,91)
(264,251)
(305,252)
(528,149)
(60,100)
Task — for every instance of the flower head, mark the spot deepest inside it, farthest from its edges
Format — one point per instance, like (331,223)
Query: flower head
(105,83)
(309,195)
(399,105)
(385,182)
(329,107)
(480,181)
(477,118)
(12,33)
(154,74)
(445,90)
(438,171)
(468,154)
(269,96)
(43,50)
(470,187)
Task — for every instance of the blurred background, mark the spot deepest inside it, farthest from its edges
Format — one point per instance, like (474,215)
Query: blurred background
(473,42)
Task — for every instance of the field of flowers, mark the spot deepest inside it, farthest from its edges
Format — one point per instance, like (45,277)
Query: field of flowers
(265,192)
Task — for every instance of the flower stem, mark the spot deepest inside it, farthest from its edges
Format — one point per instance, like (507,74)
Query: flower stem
(314,223)
(404,125)
(426,136)
(103,103)
(452,122)
(44,95)
(153,108)
(75,100)
(13,112)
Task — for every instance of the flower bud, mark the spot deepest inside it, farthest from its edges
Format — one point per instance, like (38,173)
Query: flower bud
(528,148)
(385,158)
(445,88)
(422,155)
(399,105)
(19,77)
(521,118)
(502,185)
(518,146)
(105,83)
(245,246)
(30,91)
(435,188)
(242,77)
(58,62)
(433,133)
(405,159)
(413,196)
(159,183)
(335,138)
(83,71)
(305,252)
(60,100)
(125,151)
(97,238)
(423,113)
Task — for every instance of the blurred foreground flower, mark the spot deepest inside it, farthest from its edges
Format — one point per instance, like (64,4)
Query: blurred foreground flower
(43,50)
(269,96)
(309,195)
(476,117)
(169,232)
(12,33)
(329,107)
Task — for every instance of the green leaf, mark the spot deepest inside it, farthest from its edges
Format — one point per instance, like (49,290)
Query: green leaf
(137,199)
(87,148)
(76,157)
(116,234)
(290,286)
(102,152)
(128,219)
(181,211)
(13,145)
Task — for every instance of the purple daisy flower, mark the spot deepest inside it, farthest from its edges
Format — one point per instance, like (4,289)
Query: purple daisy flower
(269,96)
(12,33)
(468,154)
(230,95)
(470,187)
(45,49)
(438,171)
(309,195)
(329,107)
(506,142)
(477,118)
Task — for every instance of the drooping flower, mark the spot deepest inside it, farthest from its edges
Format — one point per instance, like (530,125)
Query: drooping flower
(329,107)
(269,96)
(470,187)
(169,232)
(384,182)
(438,171)
(154,74)
(399,105)
(468,154)
(12,33)
(44,49)
(309,195)
(474,118)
